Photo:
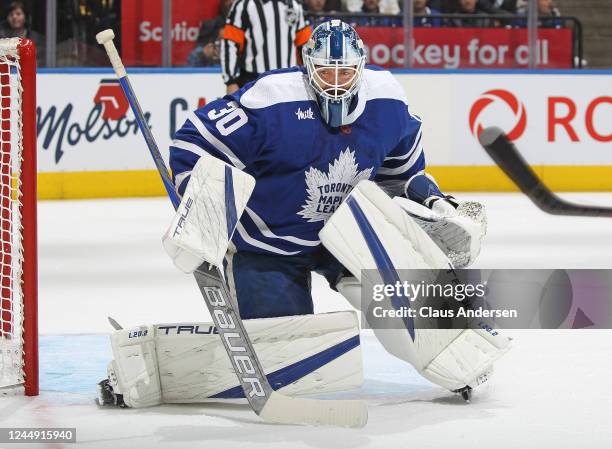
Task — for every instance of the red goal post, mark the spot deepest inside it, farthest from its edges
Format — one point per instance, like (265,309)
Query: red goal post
(18,247)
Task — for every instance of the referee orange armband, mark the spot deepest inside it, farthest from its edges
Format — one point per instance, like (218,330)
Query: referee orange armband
(234,34)
(302,36)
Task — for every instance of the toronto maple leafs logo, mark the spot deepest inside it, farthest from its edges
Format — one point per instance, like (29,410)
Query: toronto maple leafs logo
(327,191)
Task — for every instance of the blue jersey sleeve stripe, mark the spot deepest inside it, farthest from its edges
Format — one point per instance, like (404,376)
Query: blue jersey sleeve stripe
(181,161)
(216,143)
(188,146)
(402,168)
(182,148)
(397,163)
(416,117)
(415,144)
(181,181)
(261,245)
(265,230)
(417,167)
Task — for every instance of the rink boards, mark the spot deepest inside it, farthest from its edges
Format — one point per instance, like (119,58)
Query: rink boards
(89,146)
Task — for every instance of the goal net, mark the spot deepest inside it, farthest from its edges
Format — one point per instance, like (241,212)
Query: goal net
(18,326)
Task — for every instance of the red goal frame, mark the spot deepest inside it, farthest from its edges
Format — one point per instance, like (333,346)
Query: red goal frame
(27,55)
(26,61)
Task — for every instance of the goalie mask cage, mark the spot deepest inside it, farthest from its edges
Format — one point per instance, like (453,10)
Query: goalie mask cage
(18,307)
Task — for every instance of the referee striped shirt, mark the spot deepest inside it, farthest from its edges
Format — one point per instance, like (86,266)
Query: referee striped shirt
(261,35)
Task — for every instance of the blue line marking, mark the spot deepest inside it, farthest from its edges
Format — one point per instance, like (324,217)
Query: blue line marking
(296,371)
(383,261)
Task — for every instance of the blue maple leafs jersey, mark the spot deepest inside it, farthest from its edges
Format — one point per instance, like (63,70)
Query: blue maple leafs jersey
(304,169)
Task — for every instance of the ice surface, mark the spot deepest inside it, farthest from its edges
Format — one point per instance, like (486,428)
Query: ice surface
(99,258)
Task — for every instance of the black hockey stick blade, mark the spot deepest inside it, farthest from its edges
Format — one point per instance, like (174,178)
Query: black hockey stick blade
(508,158)
(114,323)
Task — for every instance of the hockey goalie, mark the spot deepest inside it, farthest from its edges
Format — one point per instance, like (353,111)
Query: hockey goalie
(319,169)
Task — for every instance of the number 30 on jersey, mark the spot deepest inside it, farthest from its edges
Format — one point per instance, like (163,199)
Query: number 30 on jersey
(228,119)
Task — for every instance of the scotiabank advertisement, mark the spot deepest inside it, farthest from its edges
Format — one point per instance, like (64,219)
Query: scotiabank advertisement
(141,29)
(468,48)
(85,124)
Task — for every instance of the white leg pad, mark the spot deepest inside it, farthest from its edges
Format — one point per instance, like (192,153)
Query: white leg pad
(452,358)
(370,230)
(134,371)
(406,244)
(301,355)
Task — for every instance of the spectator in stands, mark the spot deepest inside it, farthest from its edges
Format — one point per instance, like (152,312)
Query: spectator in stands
(314,6)
(321,6)
(545,8)
(206,52)
(469,8)
(546,13)
(489,6)
(424,15)
(372,6)
(499,6)
(444,6)
(319,11)
(333,5)
(16,24)
(224,7)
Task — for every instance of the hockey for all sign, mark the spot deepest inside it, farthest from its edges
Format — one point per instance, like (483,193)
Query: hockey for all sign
(468,48)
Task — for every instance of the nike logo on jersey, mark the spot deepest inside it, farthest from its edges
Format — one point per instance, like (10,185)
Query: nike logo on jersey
(305,115)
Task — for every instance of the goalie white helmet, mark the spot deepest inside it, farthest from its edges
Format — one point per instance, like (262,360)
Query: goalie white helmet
(334,57)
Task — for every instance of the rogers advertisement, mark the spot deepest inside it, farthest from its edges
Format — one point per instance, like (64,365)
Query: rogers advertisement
(468,48)
(141,29)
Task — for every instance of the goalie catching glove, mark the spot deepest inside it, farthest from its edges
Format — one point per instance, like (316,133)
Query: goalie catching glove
(458,228)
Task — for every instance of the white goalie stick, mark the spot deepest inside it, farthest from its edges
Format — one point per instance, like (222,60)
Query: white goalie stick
(507,157)
(268,404)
